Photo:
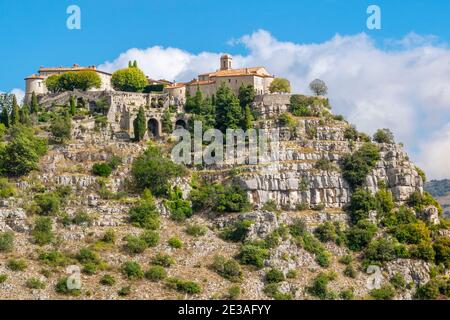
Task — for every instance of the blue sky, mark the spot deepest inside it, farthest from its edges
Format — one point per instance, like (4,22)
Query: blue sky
(397,77)
(34,32)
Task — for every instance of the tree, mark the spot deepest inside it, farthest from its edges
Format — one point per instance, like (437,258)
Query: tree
(228,109)
(151,170)
(5,117)
(166,122)
(22,153)
(135,64)
(15,112)
(52,83)
(280,85)
(247,121)
(139,125)
(246,95)
(318,87)
(72,106)
(24,114)
(60,128)
(69,81)
(384,136)
(129,80)
(34,104)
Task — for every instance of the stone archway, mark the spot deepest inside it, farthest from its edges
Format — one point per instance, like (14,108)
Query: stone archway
(153,127)
(180,123)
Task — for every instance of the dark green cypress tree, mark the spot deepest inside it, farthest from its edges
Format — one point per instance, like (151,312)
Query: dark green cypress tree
(135,64)
(247,122)
(15,112)
(139,125)
(228,109)
(5,117)
(34,104)
(72,106)
(25,114)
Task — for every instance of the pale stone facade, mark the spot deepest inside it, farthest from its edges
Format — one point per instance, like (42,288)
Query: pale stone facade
(209,83)
(36,82)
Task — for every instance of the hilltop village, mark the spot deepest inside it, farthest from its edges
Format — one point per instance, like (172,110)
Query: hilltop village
(92,205)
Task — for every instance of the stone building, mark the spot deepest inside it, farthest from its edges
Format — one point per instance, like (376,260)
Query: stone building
(36,82)
(208,83)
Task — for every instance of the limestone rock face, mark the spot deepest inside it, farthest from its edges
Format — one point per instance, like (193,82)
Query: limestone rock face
(13,219)
(430,214)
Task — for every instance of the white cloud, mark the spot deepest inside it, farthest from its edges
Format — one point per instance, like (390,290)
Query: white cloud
(405,87)
(20,94)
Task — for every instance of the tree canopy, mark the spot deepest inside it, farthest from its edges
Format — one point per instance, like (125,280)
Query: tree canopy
(280,85)
(69,81)
(130,79)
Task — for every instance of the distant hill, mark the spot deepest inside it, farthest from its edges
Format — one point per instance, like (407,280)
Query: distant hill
(440,189)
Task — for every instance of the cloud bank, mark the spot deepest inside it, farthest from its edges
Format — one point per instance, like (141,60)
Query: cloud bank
(404,86)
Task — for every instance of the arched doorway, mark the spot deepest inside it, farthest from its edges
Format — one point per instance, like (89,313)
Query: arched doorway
(153,127)
(180,123)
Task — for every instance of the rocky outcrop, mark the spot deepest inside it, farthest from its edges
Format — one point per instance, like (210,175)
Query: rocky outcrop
(13,219)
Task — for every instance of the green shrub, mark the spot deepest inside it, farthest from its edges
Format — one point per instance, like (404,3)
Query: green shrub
(424,250)
(114,162)
(428,291)
(360,204)
(238,231)
(109,236)
(3,278)
(419,201)
(61,288)
(184,286)
(326,232)
(60,128)
(42,231)
(384,136)
(398,281)
(219,198)
(145,214)
(347,294)
(291,274)
(385,292)
(412,233)
(350,133)
(132,270)
(102,169)
(297,228)
(380,250)
(179,208)
(152,171)
(305,106)
(175,242)
(273,290)
(350,271)
(82,218)
(47,203)
(441,247)
(163,260)
(90,260)
(251,254)
(314,246)
(274,276)
(385,201)
(150,237)
(286,120)
(404,215)
(346,260)
(234,292)
(155,273)
(227,268)
(54,258)
(16,264)
(270,205)
(21,155)
(359,236)
(324,164)
(6,189)
(135,244)
(107,280)
(319,286)
(356,166)
(34,283)
(124,291)
(6,241)
(196,230)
